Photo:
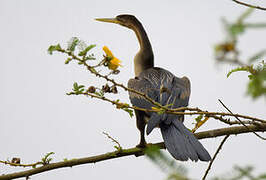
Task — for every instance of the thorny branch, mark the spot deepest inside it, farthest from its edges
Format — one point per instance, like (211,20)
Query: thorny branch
(16,161)
(129,152)
(249,5)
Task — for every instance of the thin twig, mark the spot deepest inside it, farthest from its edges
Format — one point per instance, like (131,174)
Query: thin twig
(20,165)
(249,5)
(215,155)
(228,121)
(240,120)
(119,148)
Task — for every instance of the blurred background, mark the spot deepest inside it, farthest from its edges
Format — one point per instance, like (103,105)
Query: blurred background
(37,117)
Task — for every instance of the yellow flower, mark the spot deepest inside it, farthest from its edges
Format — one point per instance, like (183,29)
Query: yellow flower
(113,63)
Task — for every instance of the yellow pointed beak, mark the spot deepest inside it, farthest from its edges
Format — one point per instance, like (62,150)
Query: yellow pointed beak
(110,20)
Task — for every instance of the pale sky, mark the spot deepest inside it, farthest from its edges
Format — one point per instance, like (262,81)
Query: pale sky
(37,117)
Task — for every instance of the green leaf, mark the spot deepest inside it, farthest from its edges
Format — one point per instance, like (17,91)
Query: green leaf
(90,57)
(100,93)
(93,70)
(199,118)
(46,159)
(162,111)
(237,29)
(257,84)
(129,111)
(85,51)
(73,42)
(52,48)
(68,60)
(78,89)
(75,86)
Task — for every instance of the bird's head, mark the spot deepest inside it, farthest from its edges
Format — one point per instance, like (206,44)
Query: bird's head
(126,20)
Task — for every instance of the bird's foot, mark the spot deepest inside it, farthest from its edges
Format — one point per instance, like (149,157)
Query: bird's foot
(142,145)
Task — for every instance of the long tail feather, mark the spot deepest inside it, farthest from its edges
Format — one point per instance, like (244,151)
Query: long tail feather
(181,143)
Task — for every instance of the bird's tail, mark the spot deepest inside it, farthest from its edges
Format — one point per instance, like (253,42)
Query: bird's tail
(181,143)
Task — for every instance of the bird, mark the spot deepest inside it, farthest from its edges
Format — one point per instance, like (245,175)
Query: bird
(162,87)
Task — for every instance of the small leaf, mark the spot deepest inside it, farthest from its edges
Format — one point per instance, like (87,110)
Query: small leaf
(46,159)
(81,86)
(162,111)
(100,93)
(93,70)
(73,42)
(68,60)
(129,111)
(118,148)
(51,49)
(257,84)
(75,86)
(85,51)
(199,118)
(237,29)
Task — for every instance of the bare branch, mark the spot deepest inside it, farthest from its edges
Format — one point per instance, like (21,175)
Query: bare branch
(130,151)
(249,5)
(215,155)
(119,148)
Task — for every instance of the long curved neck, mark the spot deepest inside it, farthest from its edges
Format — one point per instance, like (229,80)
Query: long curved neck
(144,58)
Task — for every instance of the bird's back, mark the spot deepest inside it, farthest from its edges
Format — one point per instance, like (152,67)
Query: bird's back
(162,86)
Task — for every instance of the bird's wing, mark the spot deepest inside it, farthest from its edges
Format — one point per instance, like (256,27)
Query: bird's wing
(144,86)
(164,88)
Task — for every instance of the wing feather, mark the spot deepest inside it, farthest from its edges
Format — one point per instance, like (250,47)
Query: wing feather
(151,82)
